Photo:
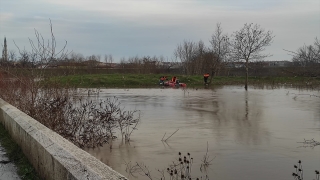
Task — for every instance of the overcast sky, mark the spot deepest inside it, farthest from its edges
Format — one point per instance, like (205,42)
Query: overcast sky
(127,28)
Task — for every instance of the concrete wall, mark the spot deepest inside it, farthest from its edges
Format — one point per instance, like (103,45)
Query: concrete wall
(52,156)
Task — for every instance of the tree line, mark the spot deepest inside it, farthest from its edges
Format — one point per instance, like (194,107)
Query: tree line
(193,58)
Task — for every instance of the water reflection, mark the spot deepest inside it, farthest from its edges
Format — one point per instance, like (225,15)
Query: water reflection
(253,134)
(219,113)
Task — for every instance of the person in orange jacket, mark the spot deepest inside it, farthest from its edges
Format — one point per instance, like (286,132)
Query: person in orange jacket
(174,79)
(205,78)
(161,81)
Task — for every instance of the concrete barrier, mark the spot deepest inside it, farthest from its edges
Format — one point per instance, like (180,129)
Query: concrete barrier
(51,155)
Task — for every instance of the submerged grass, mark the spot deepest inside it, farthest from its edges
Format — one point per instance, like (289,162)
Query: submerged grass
(15,154)
(151,80)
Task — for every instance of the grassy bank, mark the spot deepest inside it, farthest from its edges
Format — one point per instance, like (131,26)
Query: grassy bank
(15,154)
(151,80)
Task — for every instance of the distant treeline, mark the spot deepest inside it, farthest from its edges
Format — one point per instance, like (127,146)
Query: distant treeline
(227,71)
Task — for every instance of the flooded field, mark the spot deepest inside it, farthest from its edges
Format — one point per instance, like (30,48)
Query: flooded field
(251,135)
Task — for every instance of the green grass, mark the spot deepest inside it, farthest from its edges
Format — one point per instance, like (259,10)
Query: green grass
(151,80)
(15,154)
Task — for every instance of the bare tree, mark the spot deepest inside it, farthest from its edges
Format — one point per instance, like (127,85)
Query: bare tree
(108,59)
(25,59)
(12,55)
(306,60)
(220,48)
(46,51)
(98,57)
(77,57)
(307,55)
(123,62)
(185,52)
(248,43)
(92,61)
(198,62)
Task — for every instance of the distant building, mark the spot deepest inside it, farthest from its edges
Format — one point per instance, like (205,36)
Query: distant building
(261,64)
(280,63)
(236,65)
(73,64)
(112,65)
(170,65)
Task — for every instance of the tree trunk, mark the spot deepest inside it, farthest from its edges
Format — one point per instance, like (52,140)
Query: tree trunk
(247,74)
(212,74)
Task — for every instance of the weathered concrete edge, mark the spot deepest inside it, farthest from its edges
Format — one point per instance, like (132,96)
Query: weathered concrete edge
(52,156)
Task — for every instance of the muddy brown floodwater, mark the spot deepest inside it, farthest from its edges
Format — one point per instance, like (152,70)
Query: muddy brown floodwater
(251,135)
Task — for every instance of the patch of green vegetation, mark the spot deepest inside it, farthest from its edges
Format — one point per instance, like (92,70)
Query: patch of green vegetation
(15,154)
(151,80)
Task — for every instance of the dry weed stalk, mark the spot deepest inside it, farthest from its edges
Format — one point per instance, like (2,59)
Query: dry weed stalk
(179,169)
(206,161)
(298,174)
(309,143)
(165,140)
